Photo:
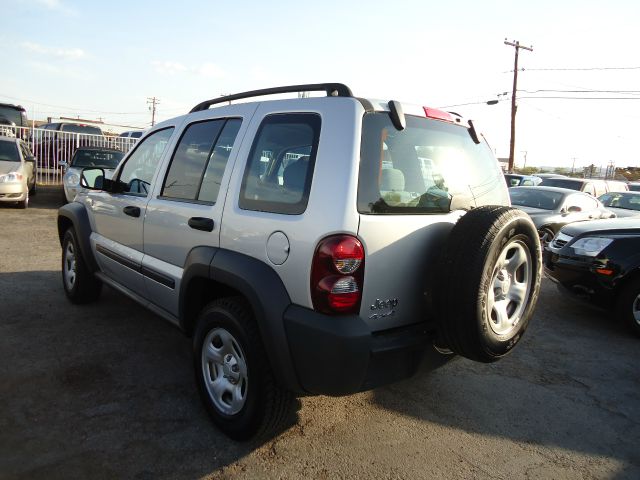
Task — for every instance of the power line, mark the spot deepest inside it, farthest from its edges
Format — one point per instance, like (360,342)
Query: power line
(582,91)
(66,107)
(578,69)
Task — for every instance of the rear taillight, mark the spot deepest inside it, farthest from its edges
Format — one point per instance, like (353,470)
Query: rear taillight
(337,274)
(438,114)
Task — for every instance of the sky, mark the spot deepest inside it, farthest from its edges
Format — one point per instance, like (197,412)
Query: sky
(104,59)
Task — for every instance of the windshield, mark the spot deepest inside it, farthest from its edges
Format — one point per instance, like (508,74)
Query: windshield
(563,183)
(72,127)
(12,116)
(96,158)
(621,200)
(536,198)
(420,169)
(9,152)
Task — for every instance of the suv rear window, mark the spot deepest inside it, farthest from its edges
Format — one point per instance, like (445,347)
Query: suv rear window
(420,169)
(72,127)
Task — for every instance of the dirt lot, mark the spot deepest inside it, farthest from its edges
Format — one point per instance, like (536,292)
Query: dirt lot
(107,391)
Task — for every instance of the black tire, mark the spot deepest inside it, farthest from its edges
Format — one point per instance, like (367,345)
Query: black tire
(469,293)
(34,189)
(627,303)
(266,407)
(546,234)
(82,286)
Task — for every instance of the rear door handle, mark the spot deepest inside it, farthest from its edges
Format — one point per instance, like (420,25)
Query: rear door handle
(131,211)
(201,223)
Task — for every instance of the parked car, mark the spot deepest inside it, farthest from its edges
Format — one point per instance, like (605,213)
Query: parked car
(623,204)
(17,171)
(12,116)
(132,134)
(87,157)
(550,175)
(616,186)
(599,261)
(551,208)
(591,186)
(634,186)
(306,246)
(57,141)
(515,180)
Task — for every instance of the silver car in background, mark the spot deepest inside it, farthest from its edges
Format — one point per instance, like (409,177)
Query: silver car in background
(88,157)
(17,171)
(623,204)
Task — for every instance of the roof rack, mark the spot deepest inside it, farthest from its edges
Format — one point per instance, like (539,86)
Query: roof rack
(332,90)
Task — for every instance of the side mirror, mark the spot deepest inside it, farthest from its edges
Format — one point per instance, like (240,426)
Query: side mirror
(62,163)
(31,159)
(92,178)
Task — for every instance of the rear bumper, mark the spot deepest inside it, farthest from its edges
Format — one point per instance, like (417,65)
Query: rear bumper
(340,355)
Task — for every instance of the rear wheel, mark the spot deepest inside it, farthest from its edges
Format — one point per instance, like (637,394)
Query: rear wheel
(628,306)
(233,374)
(489,283)
(546,235)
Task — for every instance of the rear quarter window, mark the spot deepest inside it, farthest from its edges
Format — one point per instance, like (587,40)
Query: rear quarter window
(420,169)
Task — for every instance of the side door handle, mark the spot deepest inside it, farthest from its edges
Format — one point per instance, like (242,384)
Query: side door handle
(201,223)
(131,211)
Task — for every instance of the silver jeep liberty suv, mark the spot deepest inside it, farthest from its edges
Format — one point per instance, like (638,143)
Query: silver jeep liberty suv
(308,245)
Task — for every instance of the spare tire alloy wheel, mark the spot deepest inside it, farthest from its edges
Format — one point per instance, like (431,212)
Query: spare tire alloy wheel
(512,280)
(489,282)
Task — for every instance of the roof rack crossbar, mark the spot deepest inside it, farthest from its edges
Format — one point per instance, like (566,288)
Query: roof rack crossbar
(332,90)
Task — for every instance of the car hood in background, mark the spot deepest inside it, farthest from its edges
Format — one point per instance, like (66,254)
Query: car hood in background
(108,173)
(613,225)
(624,212)
(6,167)
(539,216)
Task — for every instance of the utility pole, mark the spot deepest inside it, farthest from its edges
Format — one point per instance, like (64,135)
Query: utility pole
(525,159)
(573,165)
(153,101)
(512,146)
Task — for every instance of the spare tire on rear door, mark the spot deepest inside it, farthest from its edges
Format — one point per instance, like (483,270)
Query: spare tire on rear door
(487,287)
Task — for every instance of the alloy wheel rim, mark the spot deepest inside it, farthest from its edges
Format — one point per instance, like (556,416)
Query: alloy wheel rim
(509,288)
(70,266)
(635,309)
(224,369)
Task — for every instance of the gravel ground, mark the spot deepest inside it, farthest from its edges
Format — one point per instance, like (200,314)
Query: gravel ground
(106,391)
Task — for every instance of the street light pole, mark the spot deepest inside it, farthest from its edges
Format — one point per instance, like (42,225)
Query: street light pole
(512,144)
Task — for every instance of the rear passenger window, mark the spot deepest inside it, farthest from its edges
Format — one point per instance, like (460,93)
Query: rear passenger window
(199,160)
(278,175)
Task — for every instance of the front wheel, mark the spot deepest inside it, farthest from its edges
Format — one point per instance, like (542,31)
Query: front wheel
(79,283)
(628,306)
(233,374)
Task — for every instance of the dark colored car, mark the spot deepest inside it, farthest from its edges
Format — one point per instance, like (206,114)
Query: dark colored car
(634,186)
(551,208)
(623,204)
(515,180)
(600,261)
(12,116)
(55,142)
(591,186)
